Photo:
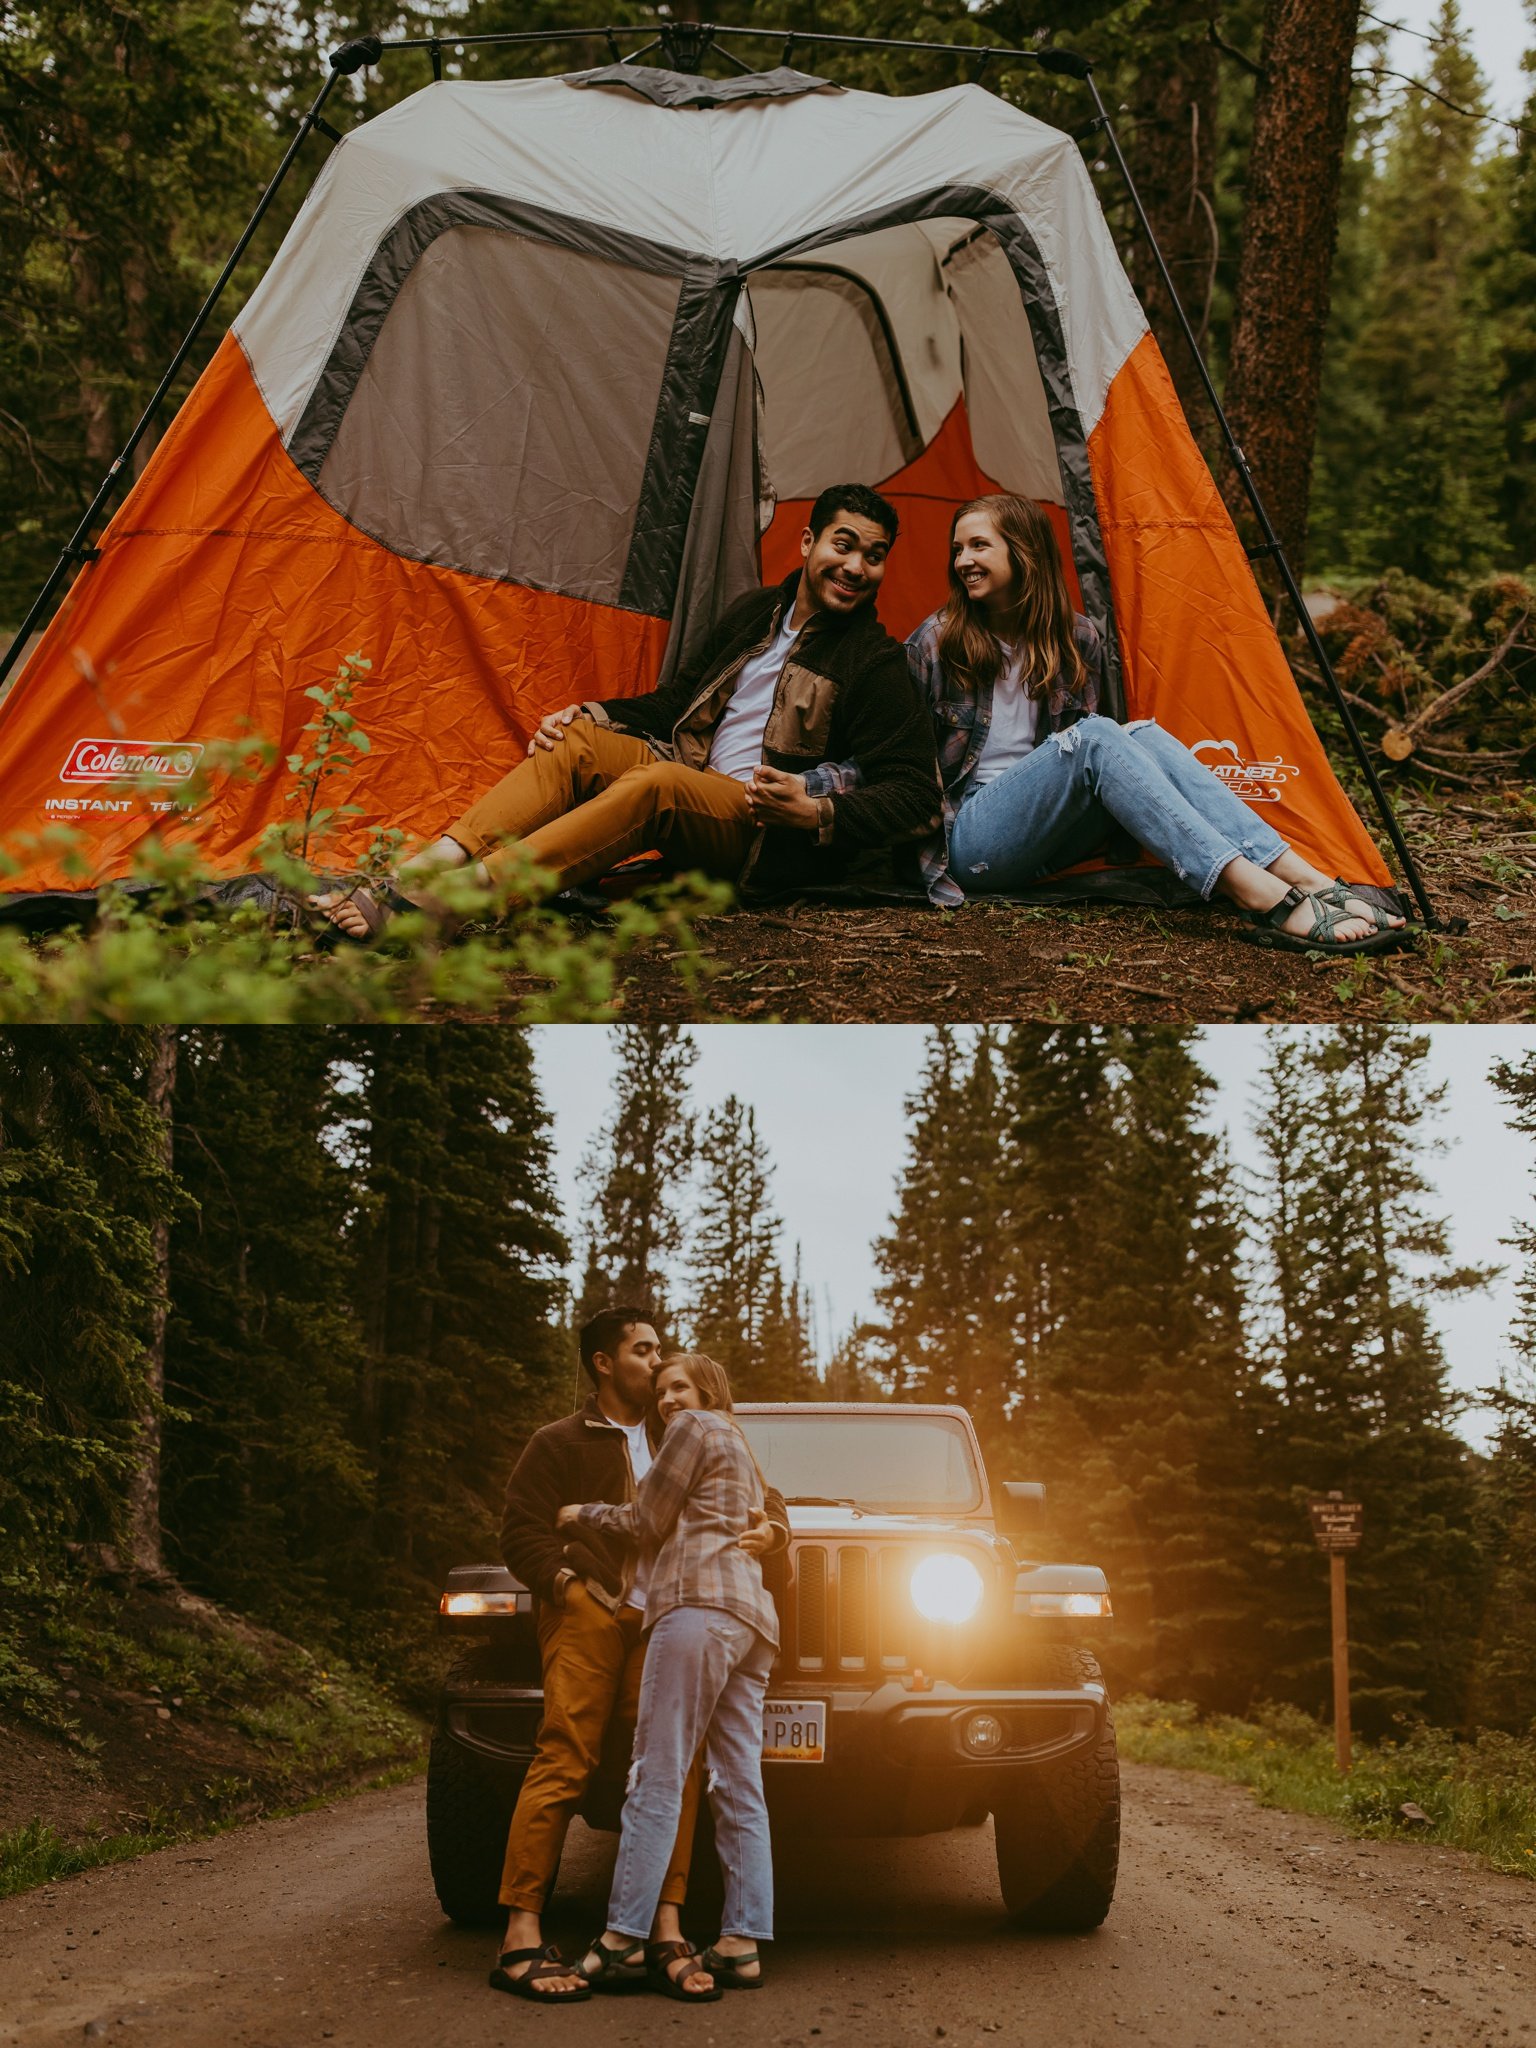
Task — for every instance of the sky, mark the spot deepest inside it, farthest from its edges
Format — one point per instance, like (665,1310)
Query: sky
(1500,34)
(829,1105)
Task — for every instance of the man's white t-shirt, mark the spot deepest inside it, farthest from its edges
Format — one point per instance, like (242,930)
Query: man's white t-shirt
(639,1464)
(737,747)
(1015,721)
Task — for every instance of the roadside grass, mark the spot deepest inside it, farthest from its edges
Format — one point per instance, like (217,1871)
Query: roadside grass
(1479,1793)
(290,1729)
(37,1854)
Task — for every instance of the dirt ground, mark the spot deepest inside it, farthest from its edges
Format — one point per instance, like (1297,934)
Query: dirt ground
(1232,1925)
(1116,964)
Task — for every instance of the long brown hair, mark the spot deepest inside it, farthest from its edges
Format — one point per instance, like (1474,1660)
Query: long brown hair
(713,1387)
(969,645)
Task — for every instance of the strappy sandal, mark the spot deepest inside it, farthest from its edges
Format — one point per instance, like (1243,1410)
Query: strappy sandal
(1339,892)
(375,903)
(1268,927)
(544,1963)
(726,1970)
(618,1969)
(658,1955)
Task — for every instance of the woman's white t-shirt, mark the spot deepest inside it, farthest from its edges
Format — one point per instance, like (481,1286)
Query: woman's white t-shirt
(1015,721)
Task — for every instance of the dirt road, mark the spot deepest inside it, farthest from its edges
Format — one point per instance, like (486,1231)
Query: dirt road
(1233,1926)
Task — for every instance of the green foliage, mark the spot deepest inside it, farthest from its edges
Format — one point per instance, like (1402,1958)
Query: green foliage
(1411,459)
(636,1172)
(81,1183)
(1355,1392)
(1479,1793)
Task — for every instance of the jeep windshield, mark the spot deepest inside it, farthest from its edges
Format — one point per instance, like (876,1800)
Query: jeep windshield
(877,1461)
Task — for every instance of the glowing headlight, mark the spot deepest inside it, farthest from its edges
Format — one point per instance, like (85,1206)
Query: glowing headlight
(478,1603)
(946,1587)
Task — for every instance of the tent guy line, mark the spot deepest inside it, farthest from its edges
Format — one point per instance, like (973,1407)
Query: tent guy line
(656,561)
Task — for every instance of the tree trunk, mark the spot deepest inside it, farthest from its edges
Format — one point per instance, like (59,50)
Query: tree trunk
(1171,149)
(1290,225)
(145,1556)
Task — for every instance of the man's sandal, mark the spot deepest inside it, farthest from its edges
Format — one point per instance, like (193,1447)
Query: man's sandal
(727,1970)
(1326,918)
(376,903)
(544,1963)
(659,1955)
(618,1969)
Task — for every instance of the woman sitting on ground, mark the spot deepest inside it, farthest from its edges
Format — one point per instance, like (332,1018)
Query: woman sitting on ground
(712,1634)
(1034,778)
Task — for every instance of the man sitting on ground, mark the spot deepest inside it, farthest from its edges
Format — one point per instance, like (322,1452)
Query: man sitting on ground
(792,675)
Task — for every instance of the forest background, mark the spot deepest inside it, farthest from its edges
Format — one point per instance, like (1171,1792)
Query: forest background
(1301,186)
(277,1309)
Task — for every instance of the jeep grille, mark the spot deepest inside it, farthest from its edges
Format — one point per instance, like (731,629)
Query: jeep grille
(845,1609)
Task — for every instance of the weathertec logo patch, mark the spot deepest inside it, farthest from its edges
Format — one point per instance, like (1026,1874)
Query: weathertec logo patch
(1256,782)
(130,761)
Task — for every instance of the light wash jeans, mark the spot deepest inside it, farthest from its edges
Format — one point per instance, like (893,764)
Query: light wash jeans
(705,1677)
(1054,807)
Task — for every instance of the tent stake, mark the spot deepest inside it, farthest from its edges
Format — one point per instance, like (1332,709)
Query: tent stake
(77,548)
(1272,544)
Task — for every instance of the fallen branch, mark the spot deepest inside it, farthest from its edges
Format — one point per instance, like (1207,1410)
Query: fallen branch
(1397,741)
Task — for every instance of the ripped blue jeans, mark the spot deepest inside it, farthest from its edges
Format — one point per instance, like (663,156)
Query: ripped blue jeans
(706,1673)
(1054,807)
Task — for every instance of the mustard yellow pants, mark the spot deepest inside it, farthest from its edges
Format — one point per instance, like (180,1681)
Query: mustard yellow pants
(592,1664)
(597,797)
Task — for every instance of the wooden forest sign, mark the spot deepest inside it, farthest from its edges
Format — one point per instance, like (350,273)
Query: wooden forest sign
(1336,1523)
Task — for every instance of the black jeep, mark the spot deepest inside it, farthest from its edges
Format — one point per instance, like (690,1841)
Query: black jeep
(933,1670)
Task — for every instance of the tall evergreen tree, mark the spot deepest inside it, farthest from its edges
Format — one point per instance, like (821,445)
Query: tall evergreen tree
(1503,1690)
(948,1296)
(1356,1393)
(733,1255)
(83,1190)
(458,1260)
(637,1172)
(1416,482)
(265,1483)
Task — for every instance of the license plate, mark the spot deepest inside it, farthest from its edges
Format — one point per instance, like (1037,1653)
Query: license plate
(794,1731)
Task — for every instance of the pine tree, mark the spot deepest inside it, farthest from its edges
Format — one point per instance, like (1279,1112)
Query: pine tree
(1510,283)
(1137,1419)
(83,1189)
(787,1370)
(458,1258)
(1503,1692)
(1430,452)
(1356,1393)
(733,1253)
(637,1172)
(265,1483)
(947,1296)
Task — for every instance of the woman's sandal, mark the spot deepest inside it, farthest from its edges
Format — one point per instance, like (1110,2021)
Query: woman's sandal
(658,1955)
(1355,905)
(1326,918)
(727,1970)
(618,1969)
(543,1963)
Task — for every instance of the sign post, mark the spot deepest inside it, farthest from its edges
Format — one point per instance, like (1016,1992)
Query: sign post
(1337,1525)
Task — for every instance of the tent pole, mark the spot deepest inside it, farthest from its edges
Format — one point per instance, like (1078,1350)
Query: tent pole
(1272,546)
(77,550)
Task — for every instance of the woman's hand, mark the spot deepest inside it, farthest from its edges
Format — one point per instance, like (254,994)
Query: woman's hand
(569,1517)
(758,1540)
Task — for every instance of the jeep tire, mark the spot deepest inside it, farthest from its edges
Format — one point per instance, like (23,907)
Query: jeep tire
(1058,1830)
(468,1814)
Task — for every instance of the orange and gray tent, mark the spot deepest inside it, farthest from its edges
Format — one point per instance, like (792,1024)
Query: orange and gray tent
(549,370)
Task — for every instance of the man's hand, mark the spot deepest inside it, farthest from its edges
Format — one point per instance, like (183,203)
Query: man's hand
(569,1516)
(550,730)
(777,798)
(758,1540)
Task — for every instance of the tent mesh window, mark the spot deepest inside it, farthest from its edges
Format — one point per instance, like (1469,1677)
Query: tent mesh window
(502,422)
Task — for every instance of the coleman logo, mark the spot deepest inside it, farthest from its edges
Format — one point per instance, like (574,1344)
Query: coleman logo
(1256,782)
(130,761)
